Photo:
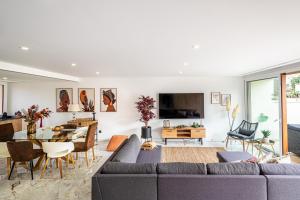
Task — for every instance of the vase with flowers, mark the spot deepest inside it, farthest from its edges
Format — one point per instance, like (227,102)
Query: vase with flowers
(145,105)
(234,113)
(32,115)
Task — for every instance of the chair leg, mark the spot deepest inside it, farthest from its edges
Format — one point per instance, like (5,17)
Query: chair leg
(31,169)
(93,153)
(42,174)
(72,160)
(86,159)
(60,167)
(227,139)
(11,170)
(8,165)
(76,155)
(56,162)
(244,145)
(67,161)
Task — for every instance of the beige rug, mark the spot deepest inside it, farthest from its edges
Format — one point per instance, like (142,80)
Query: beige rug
(191,154)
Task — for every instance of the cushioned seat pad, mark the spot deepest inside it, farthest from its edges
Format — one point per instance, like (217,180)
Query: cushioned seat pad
(233,156)
(153,156)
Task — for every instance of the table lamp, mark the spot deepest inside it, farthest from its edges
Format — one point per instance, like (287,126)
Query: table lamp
(74,108)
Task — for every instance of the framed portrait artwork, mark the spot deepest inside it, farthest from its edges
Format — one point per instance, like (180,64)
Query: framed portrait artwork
(86,99)
(225,98)
(64,97)
(215,97)
(108,99)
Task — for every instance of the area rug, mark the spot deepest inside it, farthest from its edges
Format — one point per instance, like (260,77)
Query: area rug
(191,154)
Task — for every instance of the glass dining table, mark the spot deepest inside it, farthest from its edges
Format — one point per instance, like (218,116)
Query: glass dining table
(44,135)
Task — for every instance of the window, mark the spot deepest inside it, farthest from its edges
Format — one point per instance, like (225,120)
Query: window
(1,98)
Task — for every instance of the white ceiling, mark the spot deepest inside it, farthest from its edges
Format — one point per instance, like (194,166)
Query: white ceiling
(150,38)
(8,76)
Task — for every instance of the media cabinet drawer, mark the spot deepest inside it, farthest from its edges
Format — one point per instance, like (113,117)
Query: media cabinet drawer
(169,133)
(197,133)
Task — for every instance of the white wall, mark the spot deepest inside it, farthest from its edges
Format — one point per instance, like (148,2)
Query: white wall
(125,120)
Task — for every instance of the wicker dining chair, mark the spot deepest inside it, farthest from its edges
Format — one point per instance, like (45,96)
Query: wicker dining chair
(245,131)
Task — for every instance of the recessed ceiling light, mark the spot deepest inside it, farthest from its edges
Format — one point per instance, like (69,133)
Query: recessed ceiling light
(185,64)
(180,72)
(97,73)
(24,48)
(73,64)
(4,78)
(196,46)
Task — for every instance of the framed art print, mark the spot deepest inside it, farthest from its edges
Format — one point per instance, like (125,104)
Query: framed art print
(215,97)
(86,99)
(64,97)
(108,98)
(225,98)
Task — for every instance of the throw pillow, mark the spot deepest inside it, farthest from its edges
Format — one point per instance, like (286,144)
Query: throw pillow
(115,142)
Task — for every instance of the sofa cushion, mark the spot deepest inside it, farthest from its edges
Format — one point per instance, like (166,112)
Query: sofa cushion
(280,169)
(233,156)
(181,168)
(149,156)
(129,168)
(233,169)
(130,151)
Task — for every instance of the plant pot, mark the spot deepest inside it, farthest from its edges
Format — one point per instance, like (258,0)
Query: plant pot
(265,140)
(146,132)
(31,128)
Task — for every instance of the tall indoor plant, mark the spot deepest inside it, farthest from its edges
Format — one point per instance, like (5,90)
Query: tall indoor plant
(145,105)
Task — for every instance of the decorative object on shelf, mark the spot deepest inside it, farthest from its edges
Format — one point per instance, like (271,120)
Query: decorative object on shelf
(86,99)
(145,105)
(215,97)
(166,124)
(234,113)
(225,98)
(196,125)
(181,126)
(94,116)
(64,97)
(32,115)
(148,146)
(266,134)
(108,98)
(74,108)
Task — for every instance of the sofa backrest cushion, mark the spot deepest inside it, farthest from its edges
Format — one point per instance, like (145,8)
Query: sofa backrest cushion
(233,169)
(181,168)
(129,168)
(130,151)
(280,169)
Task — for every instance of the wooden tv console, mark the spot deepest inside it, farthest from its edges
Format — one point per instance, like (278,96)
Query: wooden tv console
(183,133)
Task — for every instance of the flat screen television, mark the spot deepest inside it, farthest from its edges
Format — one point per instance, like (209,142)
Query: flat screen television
(181,106)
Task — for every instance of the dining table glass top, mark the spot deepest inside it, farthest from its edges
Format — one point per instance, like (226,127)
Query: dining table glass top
(45,134)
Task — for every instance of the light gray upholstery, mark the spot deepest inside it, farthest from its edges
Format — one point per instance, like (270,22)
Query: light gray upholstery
(181,168)
(283,187)
(130,151)
(280,169)
(207,187)
(127,186)
(233,156)
(233,169)
(129,168)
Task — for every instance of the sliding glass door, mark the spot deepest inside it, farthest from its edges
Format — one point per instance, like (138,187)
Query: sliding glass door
(263,107)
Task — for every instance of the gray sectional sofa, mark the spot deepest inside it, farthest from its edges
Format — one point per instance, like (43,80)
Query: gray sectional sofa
(133,174)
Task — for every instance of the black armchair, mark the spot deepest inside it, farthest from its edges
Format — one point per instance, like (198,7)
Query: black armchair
(245,131)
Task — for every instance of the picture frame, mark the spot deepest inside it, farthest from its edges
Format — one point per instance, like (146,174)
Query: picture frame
(215,97)
(86,99)
(108,99)
(64,97)
(224,98)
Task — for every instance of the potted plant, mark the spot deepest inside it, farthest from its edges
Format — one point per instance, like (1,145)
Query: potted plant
(266,134)
(145,105)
